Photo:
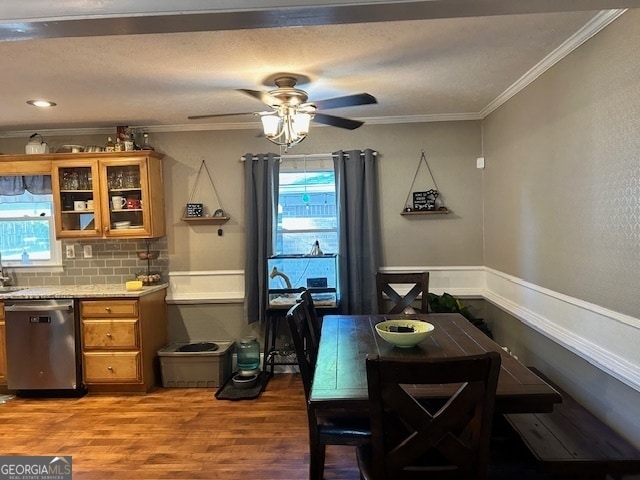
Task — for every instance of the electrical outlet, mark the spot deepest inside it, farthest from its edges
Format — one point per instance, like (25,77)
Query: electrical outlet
(87,251)
(70,251)
(480,162)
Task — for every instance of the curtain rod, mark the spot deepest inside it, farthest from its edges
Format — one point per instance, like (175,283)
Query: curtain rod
(303,156)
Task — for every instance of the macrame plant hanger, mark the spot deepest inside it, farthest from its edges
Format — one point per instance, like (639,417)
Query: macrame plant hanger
(194,212)
(424,202)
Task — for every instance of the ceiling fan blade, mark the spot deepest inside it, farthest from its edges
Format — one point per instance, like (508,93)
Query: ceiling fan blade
(264,97)
(346,101)
(336,121)
(196,117)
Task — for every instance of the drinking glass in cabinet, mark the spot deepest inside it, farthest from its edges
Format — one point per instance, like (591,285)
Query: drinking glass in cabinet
(68,181)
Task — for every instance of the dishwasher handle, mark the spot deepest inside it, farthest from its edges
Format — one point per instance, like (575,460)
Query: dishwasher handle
(27,307)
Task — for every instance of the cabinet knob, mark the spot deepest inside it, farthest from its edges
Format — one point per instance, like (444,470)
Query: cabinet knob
(110,368)
(109,334)
(108,309)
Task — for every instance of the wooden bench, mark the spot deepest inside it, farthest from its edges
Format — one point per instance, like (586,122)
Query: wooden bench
(570,442)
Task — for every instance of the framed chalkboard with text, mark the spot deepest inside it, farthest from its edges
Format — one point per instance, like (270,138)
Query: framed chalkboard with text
(194,209)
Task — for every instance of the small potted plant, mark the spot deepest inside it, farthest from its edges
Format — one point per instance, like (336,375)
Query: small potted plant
(447,303)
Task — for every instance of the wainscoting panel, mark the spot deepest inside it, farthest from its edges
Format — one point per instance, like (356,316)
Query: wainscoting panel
(207,286)
(606,339)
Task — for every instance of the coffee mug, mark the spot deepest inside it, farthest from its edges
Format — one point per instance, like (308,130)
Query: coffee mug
(118,203)
(90,204)
(133,203)
(79,205)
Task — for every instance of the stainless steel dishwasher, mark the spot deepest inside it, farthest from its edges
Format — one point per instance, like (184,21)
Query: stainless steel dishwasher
(42,345)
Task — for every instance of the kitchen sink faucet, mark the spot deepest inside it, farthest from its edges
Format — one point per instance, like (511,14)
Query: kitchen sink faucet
(4,281)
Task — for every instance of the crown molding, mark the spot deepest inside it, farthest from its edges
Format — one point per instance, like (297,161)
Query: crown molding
(447,117)
(597,23)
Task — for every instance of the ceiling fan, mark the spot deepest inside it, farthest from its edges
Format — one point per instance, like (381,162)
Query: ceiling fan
(287,123)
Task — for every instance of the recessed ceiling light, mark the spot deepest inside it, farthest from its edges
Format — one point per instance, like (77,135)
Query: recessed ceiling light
(41,103)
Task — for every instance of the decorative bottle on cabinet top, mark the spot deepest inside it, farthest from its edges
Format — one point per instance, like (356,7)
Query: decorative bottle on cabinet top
(109,146)
(145,142)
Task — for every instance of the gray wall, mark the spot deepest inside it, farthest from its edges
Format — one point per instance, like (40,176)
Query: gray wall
(451,149)
(454,239)
(562,177)
(562,204)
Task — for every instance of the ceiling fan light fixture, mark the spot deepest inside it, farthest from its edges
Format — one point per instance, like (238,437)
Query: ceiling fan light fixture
(270,125)
(288,122)
(287,126)
(301,123)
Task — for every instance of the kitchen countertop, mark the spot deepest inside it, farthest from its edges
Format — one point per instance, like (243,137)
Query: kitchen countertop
(78,291)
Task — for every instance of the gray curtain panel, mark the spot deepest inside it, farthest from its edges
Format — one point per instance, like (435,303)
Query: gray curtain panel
(261,184)
(359,227)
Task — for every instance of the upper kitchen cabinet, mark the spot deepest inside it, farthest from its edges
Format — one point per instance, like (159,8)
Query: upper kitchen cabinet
(108,195)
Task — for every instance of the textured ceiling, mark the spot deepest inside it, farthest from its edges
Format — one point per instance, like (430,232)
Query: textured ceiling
(417,69)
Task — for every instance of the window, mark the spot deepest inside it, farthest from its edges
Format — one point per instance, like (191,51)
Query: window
(306,207)
(27,231)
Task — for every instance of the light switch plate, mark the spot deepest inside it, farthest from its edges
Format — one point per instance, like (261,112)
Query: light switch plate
(87,251)
(480,162)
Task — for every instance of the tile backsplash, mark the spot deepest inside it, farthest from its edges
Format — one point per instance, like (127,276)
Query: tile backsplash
(112,261)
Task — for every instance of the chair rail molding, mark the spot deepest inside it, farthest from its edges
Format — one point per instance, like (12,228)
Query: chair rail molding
(604,338)
(206,286)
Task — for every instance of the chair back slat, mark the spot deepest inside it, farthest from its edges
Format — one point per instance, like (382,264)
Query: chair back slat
(387,285)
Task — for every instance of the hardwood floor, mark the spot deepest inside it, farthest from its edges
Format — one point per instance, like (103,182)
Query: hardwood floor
(173,433)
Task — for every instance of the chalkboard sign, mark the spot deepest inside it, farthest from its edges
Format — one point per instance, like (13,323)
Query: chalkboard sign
(194,209)
(425,200)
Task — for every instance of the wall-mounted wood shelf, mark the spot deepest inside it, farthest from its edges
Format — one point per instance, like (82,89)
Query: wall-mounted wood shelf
(206,220)
(424,199)
(429,212)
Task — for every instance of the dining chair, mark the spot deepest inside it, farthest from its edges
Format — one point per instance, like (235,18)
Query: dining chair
(448,439)
(312,315)
(324,429)
(387,286)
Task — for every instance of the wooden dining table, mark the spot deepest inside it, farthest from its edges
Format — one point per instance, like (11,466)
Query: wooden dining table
(340,379)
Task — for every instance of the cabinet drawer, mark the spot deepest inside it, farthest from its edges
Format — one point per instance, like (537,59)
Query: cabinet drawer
(116,367)
(109,308)
(110,334)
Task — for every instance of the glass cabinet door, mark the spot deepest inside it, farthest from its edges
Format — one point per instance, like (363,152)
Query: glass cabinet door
(126,199)
(77,195)
(108,195)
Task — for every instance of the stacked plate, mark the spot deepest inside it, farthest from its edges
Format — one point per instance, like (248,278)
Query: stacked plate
(121,225)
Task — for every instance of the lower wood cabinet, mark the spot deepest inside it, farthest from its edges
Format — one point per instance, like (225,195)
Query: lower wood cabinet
(120,341)
(3,348)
